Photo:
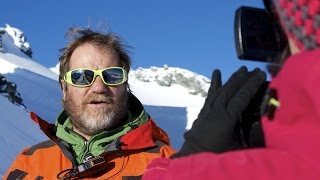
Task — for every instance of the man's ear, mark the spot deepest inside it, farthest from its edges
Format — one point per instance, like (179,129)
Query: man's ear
(128,88)
(64,88)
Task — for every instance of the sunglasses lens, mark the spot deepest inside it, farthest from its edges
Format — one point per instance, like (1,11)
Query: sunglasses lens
(82,77)
(113,76)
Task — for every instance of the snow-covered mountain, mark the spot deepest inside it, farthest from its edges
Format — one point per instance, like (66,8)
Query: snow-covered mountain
(171,95)
(16,38)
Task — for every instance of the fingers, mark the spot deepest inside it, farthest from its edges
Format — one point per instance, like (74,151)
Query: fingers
(215,81)
(215,84)
(236,74)
(246,92)
(214,87)
(232,86)
(221,96)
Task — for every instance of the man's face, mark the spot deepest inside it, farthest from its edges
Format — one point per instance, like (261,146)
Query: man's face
(98,107)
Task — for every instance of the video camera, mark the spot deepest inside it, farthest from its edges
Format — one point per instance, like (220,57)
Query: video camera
(258,37)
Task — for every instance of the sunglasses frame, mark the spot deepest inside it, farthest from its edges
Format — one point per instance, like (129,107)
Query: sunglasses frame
(67,77)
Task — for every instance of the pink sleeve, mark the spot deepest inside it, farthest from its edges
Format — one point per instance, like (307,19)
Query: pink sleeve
(241,165)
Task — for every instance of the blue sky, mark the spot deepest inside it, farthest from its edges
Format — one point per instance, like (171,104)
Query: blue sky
(195,35)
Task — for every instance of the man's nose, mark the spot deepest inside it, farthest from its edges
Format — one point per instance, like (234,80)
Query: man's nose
(98,86)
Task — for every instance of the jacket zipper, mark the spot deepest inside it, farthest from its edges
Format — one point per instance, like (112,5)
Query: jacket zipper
(85,151)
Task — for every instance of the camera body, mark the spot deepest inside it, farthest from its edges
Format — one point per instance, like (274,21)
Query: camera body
(258,37)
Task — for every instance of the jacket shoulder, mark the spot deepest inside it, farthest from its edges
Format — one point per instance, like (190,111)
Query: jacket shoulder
(43,145)
(25,162)
(45,159)
(161,148)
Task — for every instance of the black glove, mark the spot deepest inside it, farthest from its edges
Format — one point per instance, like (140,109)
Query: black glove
(217,125)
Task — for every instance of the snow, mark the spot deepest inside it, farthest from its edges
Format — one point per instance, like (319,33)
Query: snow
(17,132)
(6,67)
(174,96)
(173,107)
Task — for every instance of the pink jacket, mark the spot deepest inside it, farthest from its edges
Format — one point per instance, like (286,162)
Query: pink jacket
(292,137)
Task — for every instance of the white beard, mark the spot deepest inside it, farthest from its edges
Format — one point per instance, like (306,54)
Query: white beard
(99,122)
(94,120)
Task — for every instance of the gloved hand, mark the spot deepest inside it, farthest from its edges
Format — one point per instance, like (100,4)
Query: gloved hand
(215,129)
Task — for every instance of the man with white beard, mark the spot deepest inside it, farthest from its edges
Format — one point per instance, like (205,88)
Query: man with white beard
(103,131)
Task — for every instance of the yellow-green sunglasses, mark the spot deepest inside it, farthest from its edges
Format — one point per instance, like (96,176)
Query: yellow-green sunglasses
(84,77)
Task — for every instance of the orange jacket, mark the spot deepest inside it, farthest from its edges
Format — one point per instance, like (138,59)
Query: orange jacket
(127,156)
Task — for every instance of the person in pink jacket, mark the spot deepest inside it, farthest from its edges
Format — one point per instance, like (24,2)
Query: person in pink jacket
(291,124)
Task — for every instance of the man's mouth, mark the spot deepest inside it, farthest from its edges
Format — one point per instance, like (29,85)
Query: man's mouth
(98,102)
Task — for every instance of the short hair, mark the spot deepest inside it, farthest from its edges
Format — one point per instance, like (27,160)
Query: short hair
(104,41)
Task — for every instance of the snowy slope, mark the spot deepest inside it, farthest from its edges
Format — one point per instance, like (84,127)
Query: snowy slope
(17,132)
